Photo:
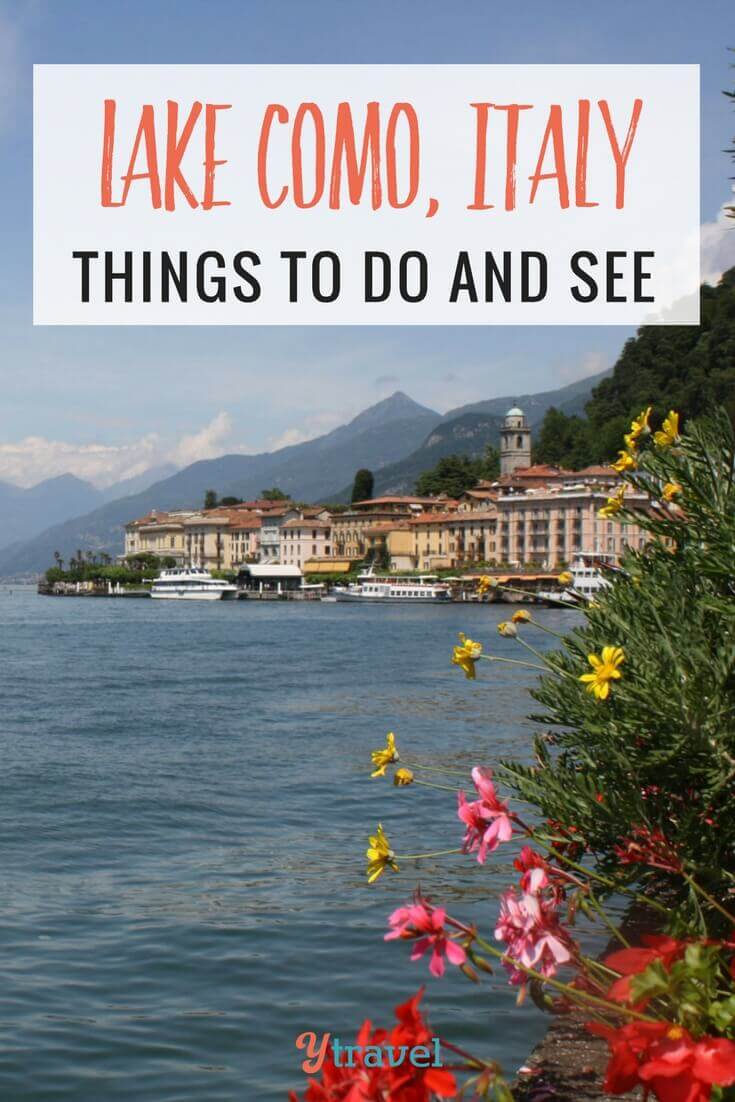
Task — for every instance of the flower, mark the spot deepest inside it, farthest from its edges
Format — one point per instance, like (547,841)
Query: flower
(522,616)
(530,928)
(670,490)
(614,504)
(485,583)
(604,670)
(466,654)
(487,820)
(625,462)
(357,1079)
(385,756)
(423,923)
(565,578)
(631,962)
(638,427)
(648,847)
(669,431)
(508,629)
(402,777)
(664,1058)
(380,856)
(534,868)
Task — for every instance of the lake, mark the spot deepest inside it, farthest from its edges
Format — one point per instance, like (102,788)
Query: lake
(185,808)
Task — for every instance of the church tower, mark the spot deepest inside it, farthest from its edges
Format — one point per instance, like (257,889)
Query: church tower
(515,441)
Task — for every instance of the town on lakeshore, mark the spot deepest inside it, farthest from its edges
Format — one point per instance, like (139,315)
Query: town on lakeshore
(530,523)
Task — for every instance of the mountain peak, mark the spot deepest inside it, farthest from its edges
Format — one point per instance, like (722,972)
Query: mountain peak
(396,407)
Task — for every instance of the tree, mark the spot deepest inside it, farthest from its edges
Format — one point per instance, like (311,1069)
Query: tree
(562,440)
(362,488)
(274,494)
(210,499)
(454,474)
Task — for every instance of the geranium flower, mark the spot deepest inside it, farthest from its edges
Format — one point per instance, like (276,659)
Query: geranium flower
(648,847)
(535,870)
(380,856)
(488,820)
(638,428)
(565,578)
(466,654)
(631,962)
(425,925)
(614,504)
(402,777)
(522,616)
(385,756)
(664,1058)
(530,928)
(508,629)
(604,670)
(485,583)
(668,434)
(356,1082)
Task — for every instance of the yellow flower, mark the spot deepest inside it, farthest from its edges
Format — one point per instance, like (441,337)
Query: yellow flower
(604,670)
(640,425)
(379,854)
(626,462)
(485,583)
(565,578)
(669,431)
(506,628)
(522,616)
(402,777)
(384,757)
(614,504)
(466,655)
(670,490)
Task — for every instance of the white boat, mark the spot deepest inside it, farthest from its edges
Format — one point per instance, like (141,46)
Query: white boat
(369,587)
(192,583)
(587,581)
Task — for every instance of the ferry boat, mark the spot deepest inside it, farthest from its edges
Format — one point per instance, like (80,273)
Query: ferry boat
(587,581)
(369,587)
(192,583)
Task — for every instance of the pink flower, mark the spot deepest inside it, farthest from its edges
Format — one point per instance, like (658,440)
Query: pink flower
(531,930)
(535,870)
(488,820)
(423,923)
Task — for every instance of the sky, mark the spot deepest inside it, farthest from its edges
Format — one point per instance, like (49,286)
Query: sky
(106,403)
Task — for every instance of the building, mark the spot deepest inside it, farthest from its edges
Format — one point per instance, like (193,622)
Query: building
(350,529)
(305,537)
(158,533)
(515,441)
(551,527)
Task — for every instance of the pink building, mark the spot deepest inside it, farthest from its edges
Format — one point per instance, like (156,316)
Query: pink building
(305,537)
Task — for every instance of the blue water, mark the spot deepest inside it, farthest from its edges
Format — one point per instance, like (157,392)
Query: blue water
(184,813)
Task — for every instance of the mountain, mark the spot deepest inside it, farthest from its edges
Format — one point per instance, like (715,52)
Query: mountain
(138,482)
(467,434)
(310,471)
(25,512)
(571,399)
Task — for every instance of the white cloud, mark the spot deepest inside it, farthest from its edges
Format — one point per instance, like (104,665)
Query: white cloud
(315,425)
(35,458)
(718,245)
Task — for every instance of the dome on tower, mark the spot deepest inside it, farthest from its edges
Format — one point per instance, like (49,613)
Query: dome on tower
(515,412)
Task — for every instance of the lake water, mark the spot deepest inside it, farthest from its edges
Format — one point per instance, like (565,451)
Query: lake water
(184,813)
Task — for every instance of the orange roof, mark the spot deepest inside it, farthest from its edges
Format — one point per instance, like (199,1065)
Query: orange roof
(306,522)
(598,469)
(246,522)
(433,518)
(397,499)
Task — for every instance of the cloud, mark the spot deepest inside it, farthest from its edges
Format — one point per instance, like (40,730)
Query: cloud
(315,425)
(718,245)
(36,458)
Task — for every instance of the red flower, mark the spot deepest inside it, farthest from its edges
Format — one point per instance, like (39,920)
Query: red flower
(648,847)
(631,962)
(665,1059)
(404,1083)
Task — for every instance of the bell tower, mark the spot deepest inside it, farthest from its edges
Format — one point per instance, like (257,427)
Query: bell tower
(515,441)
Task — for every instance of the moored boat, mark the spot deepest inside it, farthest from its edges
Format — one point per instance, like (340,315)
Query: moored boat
(370,587)
(192,583)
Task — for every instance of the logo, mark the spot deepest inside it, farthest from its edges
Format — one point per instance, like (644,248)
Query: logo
(373,1056)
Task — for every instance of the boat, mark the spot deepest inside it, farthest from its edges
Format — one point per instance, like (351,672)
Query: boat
(370,587)
(587,581)
(192,583)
